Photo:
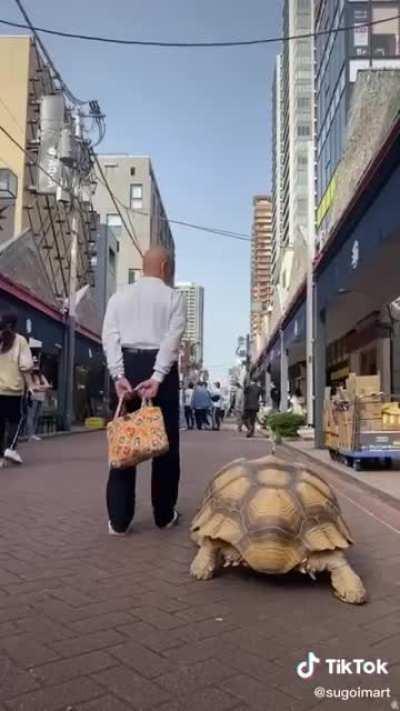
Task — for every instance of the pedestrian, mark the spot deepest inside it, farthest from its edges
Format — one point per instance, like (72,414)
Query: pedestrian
(142,331)
(187,400)
(202,405)
(216,397)
(239,407)
(252,393)
(296,402)
(15,365)
(275,397)
(38,389)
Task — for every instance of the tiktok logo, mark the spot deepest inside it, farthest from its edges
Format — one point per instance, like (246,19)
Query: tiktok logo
(306,669)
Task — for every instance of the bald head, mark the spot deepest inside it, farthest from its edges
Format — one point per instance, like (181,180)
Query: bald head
(158,262)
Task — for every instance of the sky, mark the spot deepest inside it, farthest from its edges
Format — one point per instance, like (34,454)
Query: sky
(203,115)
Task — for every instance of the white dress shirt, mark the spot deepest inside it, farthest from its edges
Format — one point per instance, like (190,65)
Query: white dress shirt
(148,315)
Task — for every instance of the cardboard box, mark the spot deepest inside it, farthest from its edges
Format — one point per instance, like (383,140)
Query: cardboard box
(345,419)
(364,385)
(369,414)
(391,416)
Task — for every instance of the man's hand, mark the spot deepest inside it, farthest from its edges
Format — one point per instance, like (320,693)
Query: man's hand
(123,388)
(148,390)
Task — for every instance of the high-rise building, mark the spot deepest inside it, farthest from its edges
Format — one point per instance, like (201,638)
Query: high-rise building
(372,43)
(276,171)
(294,102)
(194,333)
(133,183)
(261,276)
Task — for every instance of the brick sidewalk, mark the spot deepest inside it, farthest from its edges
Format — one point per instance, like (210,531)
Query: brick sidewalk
(93,623)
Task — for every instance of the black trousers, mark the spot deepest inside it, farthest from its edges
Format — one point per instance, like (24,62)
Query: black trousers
(166,469)
(249,419)
(217,417)
(189,416)
(11,421)
(201,418)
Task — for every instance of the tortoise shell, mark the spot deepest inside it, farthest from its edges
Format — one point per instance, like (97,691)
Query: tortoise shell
(274,513)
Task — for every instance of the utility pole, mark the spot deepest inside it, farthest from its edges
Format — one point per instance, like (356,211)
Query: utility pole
(73,284)
(310,325)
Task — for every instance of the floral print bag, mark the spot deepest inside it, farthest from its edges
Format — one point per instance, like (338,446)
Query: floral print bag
(137,436)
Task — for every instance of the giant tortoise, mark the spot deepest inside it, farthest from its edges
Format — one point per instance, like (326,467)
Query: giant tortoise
(274,517)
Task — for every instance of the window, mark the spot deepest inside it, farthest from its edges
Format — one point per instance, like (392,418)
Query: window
(303,130)
(114,225)
(303,5)
(385,35)
(303,49)
(302,206)
(304,103)
(133,170)
(136,198)
(109,169)
(359,18)
(131,276)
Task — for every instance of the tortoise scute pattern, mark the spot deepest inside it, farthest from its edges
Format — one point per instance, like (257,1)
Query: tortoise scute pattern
(271,511)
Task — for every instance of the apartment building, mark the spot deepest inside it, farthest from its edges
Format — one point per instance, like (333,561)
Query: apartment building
(293,129)
(194,333)
(261,267)
(372,43)
(134,185)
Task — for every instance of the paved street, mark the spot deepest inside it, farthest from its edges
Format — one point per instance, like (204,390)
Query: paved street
(93,623)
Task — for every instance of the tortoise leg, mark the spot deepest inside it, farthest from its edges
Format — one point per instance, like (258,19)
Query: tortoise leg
(205,562)
(346,583)
(230,556)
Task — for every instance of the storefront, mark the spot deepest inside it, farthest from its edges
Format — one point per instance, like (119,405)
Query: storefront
(357,275)
(45,330)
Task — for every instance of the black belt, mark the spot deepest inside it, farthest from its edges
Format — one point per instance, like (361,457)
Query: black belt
(139,351)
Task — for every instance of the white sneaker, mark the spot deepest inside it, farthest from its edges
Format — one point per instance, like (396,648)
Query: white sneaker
(35,438)
(175,520)
(13,455)
(111,531)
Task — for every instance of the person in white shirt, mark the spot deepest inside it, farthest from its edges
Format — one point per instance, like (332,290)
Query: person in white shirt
(216,397)
(187,402)
(142,331)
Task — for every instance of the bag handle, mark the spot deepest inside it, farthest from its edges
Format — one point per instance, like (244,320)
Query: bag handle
(120,408)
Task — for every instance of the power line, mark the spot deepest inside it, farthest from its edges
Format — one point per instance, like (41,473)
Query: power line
(183,45)
(57,75)
(183,223)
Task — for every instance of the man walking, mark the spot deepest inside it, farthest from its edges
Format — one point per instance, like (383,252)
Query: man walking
(187,399)
(202,404)
(142,330)
(216,397)
(252,393)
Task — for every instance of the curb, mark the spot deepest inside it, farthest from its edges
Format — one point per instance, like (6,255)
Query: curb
(317,464)
(65,433)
